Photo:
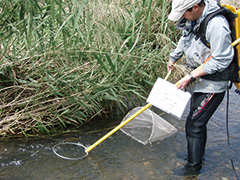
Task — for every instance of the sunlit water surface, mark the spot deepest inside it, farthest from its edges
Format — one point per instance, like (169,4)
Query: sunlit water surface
(120,157)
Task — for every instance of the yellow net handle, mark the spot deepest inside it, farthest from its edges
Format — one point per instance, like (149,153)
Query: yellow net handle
(118,127)
(140,111)
(123,123)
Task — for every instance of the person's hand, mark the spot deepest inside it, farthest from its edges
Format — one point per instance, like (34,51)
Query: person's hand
(170,66)
(182,83)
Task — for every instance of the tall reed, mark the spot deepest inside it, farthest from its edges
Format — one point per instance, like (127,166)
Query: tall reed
(64,62)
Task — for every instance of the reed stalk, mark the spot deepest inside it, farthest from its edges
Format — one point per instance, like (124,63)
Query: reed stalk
(64,62)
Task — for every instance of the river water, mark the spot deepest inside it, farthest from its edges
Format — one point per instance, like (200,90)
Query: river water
(121,158)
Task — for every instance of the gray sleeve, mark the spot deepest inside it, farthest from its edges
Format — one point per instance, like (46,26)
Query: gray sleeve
(178,52)
(218,35)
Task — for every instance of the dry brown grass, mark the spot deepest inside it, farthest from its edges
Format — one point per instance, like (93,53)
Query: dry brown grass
(231,2)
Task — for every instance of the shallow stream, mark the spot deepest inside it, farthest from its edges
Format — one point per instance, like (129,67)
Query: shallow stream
(121,158)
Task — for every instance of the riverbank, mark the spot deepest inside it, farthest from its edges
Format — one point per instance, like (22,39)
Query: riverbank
(65,62)
(121,157)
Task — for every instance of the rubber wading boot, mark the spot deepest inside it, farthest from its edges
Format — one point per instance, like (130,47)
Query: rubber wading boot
(191,171)
(196,146)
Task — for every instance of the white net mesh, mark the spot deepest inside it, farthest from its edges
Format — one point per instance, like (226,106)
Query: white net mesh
(147,127)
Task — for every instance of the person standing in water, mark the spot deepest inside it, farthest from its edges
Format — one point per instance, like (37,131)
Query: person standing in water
(206,94)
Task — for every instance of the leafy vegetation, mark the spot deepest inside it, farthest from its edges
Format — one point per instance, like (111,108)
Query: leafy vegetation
(64,62)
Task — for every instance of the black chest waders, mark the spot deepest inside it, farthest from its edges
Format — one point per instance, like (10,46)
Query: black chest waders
(202,107)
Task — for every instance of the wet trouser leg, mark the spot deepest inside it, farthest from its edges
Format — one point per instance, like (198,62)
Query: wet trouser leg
(202,107)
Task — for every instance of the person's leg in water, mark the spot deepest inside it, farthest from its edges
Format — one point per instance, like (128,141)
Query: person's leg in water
(202,107)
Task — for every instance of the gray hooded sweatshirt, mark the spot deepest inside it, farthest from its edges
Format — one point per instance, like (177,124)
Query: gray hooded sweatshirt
(222,52)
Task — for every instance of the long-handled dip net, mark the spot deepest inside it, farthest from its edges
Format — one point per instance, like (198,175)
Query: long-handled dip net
(145,126)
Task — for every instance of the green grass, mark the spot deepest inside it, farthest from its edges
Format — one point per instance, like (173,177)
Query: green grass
(64,62)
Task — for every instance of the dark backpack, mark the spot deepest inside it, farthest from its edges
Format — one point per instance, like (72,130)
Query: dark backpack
(230,73)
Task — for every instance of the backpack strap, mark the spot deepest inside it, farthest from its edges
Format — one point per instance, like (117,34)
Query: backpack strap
(229,15)
(231,73)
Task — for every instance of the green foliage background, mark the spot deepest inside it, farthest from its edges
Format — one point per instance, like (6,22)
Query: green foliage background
(64,62)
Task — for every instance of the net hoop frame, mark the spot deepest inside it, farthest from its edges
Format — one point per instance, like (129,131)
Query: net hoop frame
(70,143)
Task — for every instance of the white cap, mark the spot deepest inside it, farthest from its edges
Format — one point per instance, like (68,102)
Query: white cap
(179,7)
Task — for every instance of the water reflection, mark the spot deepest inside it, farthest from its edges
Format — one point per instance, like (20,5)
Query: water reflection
(120,157)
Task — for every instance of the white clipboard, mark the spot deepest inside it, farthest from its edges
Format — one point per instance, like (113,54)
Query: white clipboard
(165,96)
